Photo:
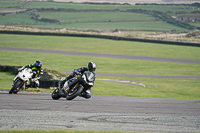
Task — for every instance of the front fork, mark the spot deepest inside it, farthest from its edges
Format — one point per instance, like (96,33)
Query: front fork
(23,84)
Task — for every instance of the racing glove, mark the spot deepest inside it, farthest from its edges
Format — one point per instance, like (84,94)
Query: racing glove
(22,68)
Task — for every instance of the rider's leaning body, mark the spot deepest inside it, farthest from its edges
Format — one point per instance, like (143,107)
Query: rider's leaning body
(36,72)
(90,67)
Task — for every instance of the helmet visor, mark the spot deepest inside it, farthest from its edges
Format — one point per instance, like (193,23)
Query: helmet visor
(92,69)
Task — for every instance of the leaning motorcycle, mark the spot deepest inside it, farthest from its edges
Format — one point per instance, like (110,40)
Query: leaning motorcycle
(21,80)
(75,86)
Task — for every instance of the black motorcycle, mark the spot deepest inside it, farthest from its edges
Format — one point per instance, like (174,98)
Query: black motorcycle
(75,86)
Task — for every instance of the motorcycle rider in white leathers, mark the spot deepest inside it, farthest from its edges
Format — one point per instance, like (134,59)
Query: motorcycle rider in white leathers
(37,71)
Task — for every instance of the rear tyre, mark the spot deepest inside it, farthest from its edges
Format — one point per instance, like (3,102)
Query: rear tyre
(55,95)
(15,86)
(75,92)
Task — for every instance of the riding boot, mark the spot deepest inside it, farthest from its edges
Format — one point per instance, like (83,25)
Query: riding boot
(27,86)
(62,82)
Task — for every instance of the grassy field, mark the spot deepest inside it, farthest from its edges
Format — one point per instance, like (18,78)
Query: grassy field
(96,20)
(69,17)
(76,19)
(5,3)
(18,19)
(113,26)
(155,87)
(99,46)
(162,8)
(105,65)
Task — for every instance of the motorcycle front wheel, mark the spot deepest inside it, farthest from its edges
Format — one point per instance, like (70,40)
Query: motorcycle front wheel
(15,86)
(74,92)
(55,95)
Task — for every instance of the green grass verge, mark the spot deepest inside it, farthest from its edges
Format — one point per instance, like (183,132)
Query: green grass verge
(104,65)
(99,46)
(155,87)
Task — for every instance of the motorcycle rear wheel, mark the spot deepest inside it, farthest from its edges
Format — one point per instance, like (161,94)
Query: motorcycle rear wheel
(76,92)
(15,86)
(55,95)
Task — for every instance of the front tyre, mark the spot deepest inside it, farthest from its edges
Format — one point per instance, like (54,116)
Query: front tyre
(15,86)
(55,95)
(75,92)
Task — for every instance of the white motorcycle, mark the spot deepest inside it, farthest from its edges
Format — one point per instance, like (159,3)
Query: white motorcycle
(20,81)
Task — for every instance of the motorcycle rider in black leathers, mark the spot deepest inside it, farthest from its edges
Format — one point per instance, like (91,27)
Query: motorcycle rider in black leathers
(37,71)
(91,66)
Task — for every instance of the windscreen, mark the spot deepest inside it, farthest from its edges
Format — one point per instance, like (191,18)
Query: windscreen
(89,76)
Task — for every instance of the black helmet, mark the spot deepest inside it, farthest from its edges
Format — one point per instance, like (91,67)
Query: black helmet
(38,64)
(91,66)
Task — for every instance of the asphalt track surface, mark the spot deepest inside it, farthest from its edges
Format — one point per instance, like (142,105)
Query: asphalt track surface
(105,113)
